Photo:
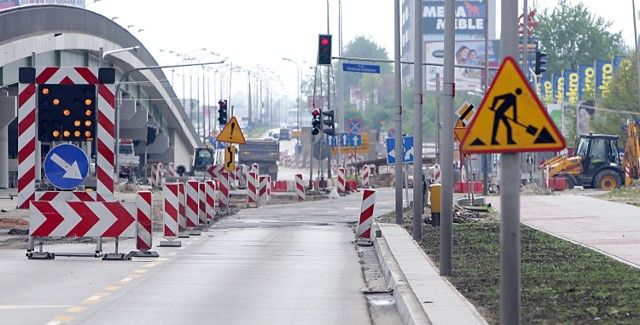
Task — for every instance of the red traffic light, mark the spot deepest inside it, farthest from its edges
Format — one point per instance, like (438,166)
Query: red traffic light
(315,112)
(324,41)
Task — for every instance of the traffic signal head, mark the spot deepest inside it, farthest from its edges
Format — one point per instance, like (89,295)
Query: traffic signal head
(324,50)
(541,63)
(66,112)
(315,121)
(222,112)
(329,122)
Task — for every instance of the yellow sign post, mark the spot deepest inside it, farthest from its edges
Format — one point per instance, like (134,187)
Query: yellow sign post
(511,118)
(231,133)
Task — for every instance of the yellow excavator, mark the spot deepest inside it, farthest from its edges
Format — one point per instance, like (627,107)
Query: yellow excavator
(597,163)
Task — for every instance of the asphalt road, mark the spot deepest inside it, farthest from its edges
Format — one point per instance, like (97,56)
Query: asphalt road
(286,264)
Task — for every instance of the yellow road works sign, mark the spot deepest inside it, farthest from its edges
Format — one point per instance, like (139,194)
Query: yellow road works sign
(511,118)
(231,133)
(230,158)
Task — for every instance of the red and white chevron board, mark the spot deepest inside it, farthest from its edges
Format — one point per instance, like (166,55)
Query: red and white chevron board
(252,188)
(170,216)
(144,225)
(82,219)
(66,196)
(210,192)
(300,187)
(191,205)
(202,196)
(366,214)
(215,170)
(27,129)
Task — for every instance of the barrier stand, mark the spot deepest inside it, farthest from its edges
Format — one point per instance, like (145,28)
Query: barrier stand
(300,187)
(192,208)
(252,189)
(210,189)
(171,215)
(144,225)
(182,214)
(363,235)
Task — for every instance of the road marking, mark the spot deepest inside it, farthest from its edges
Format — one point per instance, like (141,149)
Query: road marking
(75,309)
(7,307)
(140,271)
(95,298)
(111,288)
(60,319)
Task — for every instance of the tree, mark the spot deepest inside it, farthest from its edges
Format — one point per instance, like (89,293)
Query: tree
(572,36)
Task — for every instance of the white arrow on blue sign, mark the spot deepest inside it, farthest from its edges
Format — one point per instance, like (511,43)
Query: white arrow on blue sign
(66,166)
(407,150)
(345,139)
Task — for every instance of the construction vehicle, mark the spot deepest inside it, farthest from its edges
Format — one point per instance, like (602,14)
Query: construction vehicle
(596,163)
(128,161)
(202,159)
(630,161)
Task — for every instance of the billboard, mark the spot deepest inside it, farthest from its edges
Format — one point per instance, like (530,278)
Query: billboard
(469,21)
(468,52)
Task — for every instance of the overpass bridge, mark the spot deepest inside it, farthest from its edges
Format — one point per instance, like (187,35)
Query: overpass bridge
(66,36)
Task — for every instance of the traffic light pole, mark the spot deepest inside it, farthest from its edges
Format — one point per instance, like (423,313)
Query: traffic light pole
(125,75)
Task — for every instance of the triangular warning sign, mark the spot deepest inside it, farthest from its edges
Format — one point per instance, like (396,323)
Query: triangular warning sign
(231,133)
(459,131)
(511,118)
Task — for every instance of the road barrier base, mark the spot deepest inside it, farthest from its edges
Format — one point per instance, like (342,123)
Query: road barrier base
(183,235)
(116,257)
(170,243)
(144,254)
(364,242)
(40,256)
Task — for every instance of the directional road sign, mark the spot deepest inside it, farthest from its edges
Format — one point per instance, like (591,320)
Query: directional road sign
(66,166)
(407,150)
(366,68)
(511,118)
(344,139)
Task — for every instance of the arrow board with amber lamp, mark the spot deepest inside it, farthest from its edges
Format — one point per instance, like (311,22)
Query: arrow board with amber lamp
(231,133)
(511,118)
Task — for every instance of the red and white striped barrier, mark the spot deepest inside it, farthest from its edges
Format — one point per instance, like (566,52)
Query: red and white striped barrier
(202,195)
(182,216)
(210,192)
(223,201)
(252,188)
(144,214)
(366,214)
(365,176)
(300,188)
(171,170)
(27,128)
(341,180)
(171,214)
(334,166)
(262,189)
(66,196)
(191,206)
(255,168)
(300,161)
(436,173)
(82,219)
(269,188)
(154,176)
(307,162)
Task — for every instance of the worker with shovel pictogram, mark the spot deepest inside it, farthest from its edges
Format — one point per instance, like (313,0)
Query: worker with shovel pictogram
(509,100)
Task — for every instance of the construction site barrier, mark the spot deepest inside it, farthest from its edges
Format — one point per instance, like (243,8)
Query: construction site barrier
(366,215)
(300,188)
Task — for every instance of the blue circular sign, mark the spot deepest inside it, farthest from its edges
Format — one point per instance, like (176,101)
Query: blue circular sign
(66,166)
(355,125)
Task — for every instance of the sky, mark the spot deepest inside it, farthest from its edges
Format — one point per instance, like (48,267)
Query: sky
(257,34)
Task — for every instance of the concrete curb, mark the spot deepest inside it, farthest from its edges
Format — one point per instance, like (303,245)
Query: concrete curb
(422,295)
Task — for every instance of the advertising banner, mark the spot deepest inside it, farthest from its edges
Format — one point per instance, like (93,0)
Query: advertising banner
(586,80)
(468,52)
(469,21)
(604,72)
(570,86)
(558,88)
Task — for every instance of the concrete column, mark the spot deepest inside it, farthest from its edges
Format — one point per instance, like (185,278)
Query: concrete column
(4,157)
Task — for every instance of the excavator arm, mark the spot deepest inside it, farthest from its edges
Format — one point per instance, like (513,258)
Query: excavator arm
(631,153)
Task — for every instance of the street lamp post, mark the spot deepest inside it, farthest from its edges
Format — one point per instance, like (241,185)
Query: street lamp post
(299,93)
